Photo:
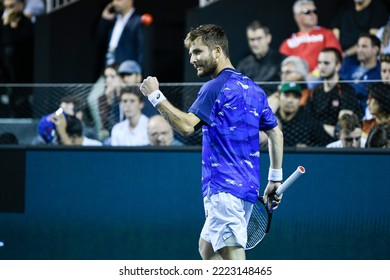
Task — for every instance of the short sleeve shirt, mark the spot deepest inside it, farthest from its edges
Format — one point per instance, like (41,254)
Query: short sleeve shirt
(308,45)
(234,110)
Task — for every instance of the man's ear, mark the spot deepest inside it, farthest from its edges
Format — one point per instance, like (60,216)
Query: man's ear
(217,51)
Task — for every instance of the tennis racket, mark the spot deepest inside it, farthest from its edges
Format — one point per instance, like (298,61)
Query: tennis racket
(260,220)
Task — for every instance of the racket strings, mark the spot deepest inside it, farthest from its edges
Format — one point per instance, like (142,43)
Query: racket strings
(257,226)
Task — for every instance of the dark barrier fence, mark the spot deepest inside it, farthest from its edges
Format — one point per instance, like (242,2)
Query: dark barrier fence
(146,204)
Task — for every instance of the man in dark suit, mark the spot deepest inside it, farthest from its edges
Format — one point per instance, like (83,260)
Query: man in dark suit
(120,33)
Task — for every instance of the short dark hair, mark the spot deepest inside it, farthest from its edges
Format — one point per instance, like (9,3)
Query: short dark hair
(69,99)
(131,90)
(211,35)
(380,92)
(348,123)
(379,136)
(254,25)
(375,41)
(336,52)
(74,127)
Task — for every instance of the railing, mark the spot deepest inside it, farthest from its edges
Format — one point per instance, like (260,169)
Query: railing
(53,5)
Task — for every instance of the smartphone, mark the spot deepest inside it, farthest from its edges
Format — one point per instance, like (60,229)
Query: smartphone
(59,111)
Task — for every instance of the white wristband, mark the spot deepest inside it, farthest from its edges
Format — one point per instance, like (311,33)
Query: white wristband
(275,174)
(156,97)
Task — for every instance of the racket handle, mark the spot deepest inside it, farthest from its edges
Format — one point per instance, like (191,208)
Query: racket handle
(293,177)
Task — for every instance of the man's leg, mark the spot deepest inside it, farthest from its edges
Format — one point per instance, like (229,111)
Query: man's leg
(232,253)
(206,251)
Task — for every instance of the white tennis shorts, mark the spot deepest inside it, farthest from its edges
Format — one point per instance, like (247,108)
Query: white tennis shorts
(226,220)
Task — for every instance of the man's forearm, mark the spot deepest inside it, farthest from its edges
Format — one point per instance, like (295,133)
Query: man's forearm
(176,118)
(275,143)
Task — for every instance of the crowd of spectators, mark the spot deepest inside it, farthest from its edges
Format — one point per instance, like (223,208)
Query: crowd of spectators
(323,90)
(329,74)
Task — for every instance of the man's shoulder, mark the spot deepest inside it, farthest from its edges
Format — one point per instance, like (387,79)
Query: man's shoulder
(223,76)
(323,29)
(350,62)
(344,86)
(249,59)
(120,126)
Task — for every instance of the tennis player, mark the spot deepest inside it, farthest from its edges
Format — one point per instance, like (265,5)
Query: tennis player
(232,110)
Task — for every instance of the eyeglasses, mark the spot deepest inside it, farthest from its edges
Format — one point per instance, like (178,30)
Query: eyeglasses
(309,12)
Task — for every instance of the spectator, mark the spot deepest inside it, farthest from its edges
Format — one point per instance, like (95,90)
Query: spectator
(365,17)
(331,97)
(311,38)
(364,66)
(349,132)
(70,131)
(130,74)
(385,68)
(120,33)
(378,103)
(384,35)
(160,133)
(299,128)
(133,130)
(16,56)
(112,83)
(120,37)
(293,69)
(379,136)
(70,105)
(8,138)
(263,62)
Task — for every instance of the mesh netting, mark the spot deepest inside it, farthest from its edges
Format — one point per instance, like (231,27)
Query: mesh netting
(315,123)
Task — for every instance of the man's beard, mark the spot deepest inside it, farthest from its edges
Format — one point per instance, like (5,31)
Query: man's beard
(328,76)
(209,68)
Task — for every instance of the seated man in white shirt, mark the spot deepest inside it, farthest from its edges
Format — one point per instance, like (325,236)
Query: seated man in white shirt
(349,131)
(133,130)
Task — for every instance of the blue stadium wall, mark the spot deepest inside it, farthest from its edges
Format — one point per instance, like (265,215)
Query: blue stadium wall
(146,204)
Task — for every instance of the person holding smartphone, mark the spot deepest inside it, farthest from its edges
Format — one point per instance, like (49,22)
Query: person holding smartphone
(120,33)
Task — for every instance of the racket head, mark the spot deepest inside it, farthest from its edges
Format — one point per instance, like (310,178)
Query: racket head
(258,225)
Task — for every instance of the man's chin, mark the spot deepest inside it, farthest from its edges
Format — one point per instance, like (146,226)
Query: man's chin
(200,74)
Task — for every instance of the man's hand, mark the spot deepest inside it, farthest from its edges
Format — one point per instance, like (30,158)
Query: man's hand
(149,85)
(107,13)
(60,123)
(270,198)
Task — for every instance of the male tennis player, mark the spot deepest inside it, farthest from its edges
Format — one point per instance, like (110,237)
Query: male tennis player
(232,110)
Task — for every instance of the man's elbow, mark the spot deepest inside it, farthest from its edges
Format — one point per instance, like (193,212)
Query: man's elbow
(186,131)
(275,135)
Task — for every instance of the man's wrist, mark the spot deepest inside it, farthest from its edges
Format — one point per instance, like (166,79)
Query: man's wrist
(275,175)
(156,97)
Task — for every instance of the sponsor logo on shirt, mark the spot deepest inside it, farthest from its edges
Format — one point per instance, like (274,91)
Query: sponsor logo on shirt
(296,41)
